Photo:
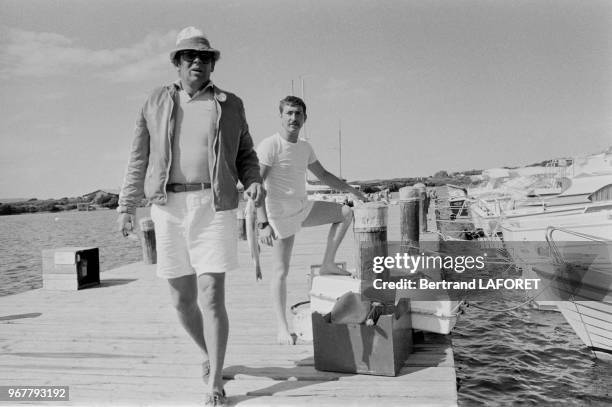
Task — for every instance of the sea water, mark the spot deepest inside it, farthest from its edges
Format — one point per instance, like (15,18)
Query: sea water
(23,237)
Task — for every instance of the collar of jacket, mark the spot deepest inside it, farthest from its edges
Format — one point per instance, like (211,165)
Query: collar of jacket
(220,96)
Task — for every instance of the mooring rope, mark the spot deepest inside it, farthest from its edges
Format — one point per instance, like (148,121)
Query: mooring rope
(529,300)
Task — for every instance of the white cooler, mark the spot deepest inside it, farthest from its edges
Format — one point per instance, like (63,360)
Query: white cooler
(435,316)
(327,289)
(431,310)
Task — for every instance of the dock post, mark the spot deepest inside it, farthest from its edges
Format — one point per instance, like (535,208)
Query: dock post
(149,252)
(409,199)
(422,191)
(370,230)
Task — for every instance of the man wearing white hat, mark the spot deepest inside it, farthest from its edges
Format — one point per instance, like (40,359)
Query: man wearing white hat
(191,146)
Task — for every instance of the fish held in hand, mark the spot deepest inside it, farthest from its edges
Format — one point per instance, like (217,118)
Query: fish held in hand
(251,232)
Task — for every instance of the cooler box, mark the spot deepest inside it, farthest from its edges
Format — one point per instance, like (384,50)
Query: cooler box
(327,289)
(432,310)
(436,316)
(70,268)
(380,350)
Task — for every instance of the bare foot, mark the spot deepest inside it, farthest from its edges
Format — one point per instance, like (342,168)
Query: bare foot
(286,338)
(332,269)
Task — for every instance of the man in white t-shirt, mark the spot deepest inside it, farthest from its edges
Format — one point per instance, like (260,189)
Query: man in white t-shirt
(283,159)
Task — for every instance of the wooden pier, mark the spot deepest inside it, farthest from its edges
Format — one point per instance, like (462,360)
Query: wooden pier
(121,344)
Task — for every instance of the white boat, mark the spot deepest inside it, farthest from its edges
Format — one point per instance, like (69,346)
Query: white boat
(586,194)
(563,186)
(597,221)
(318,192)
(487,215)
(452,202)
(579,274)
(525,239)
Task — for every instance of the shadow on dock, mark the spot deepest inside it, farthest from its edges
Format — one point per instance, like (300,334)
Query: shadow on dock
(116,281)
(20,316)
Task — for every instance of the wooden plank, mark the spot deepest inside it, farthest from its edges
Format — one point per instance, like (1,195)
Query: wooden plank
(275,367)
(433,374)
(147,390)
(85,374)
(345,401)
(121,343)
(191,392)
(408,389)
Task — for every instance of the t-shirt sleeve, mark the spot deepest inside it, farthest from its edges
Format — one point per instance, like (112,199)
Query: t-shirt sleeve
(312,157)
(266,152)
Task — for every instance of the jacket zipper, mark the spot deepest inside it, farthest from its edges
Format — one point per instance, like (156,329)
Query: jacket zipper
(170,131)
(215,144)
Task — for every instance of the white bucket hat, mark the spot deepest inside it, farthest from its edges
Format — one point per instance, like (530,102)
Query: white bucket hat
(191,38)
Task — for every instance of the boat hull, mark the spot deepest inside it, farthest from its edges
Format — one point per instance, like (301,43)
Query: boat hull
(581,287)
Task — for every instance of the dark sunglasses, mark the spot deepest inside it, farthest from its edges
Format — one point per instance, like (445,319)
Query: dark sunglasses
(190,56)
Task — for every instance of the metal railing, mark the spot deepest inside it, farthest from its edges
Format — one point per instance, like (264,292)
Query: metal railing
(554,249)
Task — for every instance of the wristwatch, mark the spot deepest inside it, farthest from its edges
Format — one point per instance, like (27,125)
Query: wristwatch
(262,225)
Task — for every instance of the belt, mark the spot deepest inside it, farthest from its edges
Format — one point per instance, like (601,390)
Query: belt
(187,187)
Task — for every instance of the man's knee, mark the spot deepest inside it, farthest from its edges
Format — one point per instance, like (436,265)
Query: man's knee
(212,291)
(282,256)
(281,272)
(281,267)
(184,302)
(183,293)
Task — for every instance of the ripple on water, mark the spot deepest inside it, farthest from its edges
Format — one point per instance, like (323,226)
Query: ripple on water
(27,235)
(526,357)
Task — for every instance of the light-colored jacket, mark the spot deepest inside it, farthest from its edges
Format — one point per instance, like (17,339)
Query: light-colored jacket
(231,157)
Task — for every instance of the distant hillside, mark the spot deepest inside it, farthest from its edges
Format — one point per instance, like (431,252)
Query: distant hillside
(442,177)
(96,199)
(11,200)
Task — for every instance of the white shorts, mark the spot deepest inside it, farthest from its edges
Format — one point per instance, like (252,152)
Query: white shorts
(192,238)
(286,217)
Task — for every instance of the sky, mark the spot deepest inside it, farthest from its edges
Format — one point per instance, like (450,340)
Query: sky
(413,86)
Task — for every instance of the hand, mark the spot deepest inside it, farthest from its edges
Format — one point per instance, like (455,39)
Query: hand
(256,192)
(266,236)
(125,223)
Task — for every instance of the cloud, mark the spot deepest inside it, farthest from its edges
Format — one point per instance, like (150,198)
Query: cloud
(42,55)
(139,69)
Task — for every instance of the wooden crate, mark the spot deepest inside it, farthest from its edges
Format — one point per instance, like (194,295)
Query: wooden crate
(70,268)
(380,350)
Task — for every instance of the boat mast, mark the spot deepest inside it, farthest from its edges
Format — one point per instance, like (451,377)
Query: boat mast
(304,99)
(340,145)
(304,132)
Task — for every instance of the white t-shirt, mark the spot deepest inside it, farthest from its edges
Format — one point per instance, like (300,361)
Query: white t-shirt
(288,162)
(196,119)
